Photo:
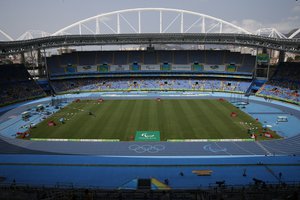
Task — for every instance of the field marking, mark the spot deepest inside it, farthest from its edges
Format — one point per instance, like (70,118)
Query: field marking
(243,149)
(147,148)
(223,148)
(271,148)
(263,148)
(209,147)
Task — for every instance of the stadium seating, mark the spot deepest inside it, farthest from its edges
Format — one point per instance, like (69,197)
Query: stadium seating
(135,56)
(198,56)
(284,84)
(87,58)
(87,62)
(104,57)
(165,56)
(150,58)
(248,63)
(120,58)
(69,58)
(125,84)
(54,66)
(234,57)
(181,57)
(214,57)
(16,84)
(58,64)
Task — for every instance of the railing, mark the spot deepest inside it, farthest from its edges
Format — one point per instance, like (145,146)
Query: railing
(211,186)
(214,192)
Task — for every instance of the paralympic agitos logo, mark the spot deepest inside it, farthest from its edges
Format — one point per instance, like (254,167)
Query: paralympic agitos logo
(146,135)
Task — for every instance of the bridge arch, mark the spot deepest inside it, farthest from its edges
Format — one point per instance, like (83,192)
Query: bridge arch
(294,34)
(270,32)
(31,34)
(6,36)
(166,20)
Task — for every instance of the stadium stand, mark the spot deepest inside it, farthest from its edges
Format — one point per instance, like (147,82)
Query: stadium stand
(54,65)
(125,84)
(165,56)
(16,84)
(233,57)
(113,66)
(87,58)
(182,60)
(150,58)
(135,56)
(214,57)
(247,64)
(284,85)
(104,57)
(196,56)
(181,57)
(69,58)
(120,58)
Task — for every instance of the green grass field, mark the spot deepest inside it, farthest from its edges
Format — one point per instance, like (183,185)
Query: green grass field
(174,119)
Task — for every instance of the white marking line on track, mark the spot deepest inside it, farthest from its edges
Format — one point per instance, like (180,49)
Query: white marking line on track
(243,148)
(263,148)
(275,150)
(222,148)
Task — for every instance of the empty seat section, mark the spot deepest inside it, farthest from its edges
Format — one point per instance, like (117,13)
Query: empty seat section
(104,57)
(120,58)
(214,57)
(135,56)
(150,57)
(248,64)
(69,58)
(180,57)
(165,56)
(233,57)
(196,56)
(87,58)
(53,64)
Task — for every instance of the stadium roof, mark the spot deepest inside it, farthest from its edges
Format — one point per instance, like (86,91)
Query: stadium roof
(287,45)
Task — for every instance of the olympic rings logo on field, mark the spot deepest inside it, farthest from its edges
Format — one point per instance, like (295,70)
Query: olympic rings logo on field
(146,148)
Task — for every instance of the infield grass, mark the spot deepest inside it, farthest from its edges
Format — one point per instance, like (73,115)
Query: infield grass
(175,119)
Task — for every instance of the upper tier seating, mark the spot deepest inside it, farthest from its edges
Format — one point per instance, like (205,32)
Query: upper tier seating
(186,58)
(16,84)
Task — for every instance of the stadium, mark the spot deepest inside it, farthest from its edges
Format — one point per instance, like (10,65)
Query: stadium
(191,107)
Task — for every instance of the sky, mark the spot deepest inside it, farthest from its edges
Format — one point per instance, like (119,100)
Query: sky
(18,16)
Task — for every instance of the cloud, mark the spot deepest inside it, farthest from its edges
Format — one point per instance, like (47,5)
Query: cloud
(293,18)
(296,9)
(286,25)
(248,24)
(283,26)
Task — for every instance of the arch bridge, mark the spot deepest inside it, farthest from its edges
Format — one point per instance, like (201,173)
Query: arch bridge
(151,26)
